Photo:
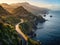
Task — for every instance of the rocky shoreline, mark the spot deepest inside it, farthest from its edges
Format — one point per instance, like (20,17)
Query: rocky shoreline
(29,27)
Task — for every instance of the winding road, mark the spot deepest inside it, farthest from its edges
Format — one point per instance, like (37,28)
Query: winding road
(19,30)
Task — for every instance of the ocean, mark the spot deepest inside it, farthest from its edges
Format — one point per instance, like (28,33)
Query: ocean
(48,33)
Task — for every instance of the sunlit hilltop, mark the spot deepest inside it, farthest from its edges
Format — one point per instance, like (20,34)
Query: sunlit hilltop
(50,4)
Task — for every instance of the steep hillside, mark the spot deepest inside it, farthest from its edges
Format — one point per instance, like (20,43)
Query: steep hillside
(31,8)
(7,7)
(3,11)
(21,11)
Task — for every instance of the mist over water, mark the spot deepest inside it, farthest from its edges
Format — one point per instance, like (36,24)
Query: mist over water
(49,32)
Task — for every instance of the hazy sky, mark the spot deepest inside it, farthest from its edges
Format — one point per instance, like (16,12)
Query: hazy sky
(51,4)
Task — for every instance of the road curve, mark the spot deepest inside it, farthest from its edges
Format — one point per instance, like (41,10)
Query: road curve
(19,30)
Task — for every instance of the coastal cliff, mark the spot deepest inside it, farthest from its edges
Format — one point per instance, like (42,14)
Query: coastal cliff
(8,20)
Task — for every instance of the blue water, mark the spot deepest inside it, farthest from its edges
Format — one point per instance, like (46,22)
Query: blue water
(49,32)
